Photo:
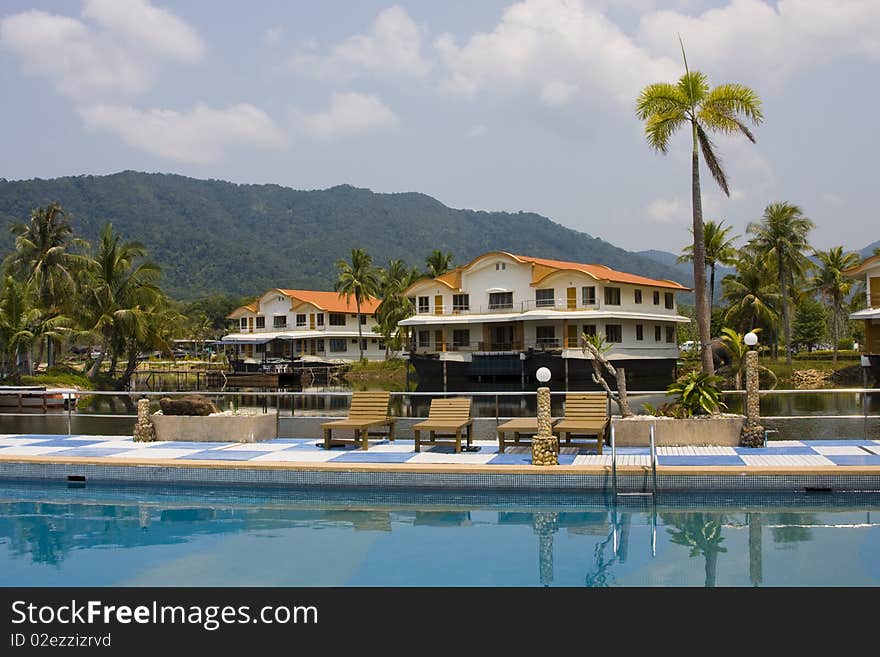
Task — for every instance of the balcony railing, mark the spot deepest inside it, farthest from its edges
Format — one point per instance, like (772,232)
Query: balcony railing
(547,344)
(515,307)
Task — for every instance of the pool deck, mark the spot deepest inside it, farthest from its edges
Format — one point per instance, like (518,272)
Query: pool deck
(789,464)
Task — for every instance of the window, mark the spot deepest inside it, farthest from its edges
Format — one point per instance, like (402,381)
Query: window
(363,318)
(460,302)
(243,323)
(364,344)
(424,304)
(656,298)
(590,329)
(657,337)
(354,341)
(670,334)
(319,319)
(279,321)
(589,295)
(320,341)
(261,348)
(640,332)
(669,299)
(500,266)
(337,319)
(461,338)
(545,336)
(613,333)
(300,319)
(545,297)
(261,322)
(612,296)
(338,345)
(424,339)
(500,300)
(637,296)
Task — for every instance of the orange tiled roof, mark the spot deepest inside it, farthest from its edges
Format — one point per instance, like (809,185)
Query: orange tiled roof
(600,272)
(331,301)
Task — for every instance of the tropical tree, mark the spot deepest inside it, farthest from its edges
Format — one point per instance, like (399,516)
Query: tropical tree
(719,249)
(781,236)
(691,103)
(737,348)
(358,279)
(752,299)
(833,286)
(700,533)
(154,329)
(438,263)
(43,260)
(394,306)
(120,285)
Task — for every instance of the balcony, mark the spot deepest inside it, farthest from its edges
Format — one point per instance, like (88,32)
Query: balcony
(549,344)
(560,304)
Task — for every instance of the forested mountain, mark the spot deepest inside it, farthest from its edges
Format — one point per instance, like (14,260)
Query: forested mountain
(213,236)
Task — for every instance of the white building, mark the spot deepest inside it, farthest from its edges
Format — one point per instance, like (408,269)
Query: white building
(509,314)
(870,315)
(311,325)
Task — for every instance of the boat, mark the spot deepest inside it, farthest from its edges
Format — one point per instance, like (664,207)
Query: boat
(36,398)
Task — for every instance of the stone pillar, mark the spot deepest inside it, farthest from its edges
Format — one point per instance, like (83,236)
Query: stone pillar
(545,447)
(144,432)
(753,432)
(545,525)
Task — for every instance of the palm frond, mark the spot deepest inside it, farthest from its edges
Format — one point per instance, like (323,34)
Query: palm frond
(712,161)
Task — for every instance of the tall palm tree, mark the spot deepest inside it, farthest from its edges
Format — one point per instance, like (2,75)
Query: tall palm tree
(358,279)
(394,306)
(719,250)
(666,107)
(42,259)
(833,286)
(781,236)
(751,297)
(438,263)
(120,285)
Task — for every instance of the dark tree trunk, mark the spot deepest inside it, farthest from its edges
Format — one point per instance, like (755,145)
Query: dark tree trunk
(703,314)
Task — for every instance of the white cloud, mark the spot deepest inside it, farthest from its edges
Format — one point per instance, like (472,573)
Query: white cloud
(272,37)
(392,47)
(201,135)
(153,27)
(668,211)
(556,49)
(349,113)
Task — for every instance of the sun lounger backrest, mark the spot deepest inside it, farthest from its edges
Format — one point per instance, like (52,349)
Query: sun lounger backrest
(454,408)
(586,407)
(369,404)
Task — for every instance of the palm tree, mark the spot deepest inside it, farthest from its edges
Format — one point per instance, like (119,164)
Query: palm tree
(701,534)
(666,107)
(120,285)
(719,250)
(751,297)
(42,259)
(781,237)
(833,286)
(358,279)
(438,263)
(394,306)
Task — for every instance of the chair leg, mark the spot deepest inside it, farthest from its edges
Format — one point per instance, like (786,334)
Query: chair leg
(470,434)
(417,434)
(458,442)
(391,431)
(501,442)
(364,438)
(327,438)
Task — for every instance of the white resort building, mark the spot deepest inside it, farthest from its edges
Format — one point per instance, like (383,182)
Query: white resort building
(307,325)
(870,315)
(508,315)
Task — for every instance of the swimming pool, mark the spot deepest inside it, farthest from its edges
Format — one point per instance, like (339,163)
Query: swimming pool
(70,535)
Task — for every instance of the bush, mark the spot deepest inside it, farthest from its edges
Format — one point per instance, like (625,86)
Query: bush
(697,394)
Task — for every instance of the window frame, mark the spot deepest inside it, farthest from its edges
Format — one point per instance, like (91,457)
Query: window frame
(618,330)
(611,295)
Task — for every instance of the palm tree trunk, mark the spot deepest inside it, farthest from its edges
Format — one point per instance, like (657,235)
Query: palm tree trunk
(360,331)
(39,358)
(96,366)
(702,308)
(129,370)
(835,331)
(786,324)
(711,289)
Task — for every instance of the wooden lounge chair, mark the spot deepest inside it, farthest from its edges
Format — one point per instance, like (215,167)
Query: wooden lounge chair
(585,415)
(518,426)
(367,410)
(446,417)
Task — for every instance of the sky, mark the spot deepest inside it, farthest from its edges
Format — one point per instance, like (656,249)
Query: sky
(489,105)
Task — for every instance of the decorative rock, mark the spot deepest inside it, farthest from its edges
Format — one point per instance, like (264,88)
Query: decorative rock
(752,436)
(545,446)
(144,431)
(188,405)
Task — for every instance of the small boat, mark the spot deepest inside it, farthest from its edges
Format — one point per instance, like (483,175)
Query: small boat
(35,398)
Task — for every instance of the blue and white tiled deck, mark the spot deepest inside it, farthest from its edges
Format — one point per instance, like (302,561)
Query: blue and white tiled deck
(122,450)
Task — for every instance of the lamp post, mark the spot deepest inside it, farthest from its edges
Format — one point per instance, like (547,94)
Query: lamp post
(753,433)
(544,446)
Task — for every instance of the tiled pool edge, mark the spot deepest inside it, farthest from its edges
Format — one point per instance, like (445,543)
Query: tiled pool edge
(442,476)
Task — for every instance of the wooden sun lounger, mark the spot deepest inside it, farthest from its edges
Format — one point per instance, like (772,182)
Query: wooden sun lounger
(367,410)
(585,415)
(519,427)
(447,417)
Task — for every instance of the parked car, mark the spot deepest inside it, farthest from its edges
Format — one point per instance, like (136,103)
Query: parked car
(687,345)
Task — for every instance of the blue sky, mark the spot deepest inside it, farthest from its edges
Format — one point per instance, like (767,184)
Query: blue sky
(488,105)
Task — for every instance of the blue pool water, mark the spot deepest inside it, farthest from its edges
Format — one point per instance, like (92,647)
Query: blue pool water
(53,535)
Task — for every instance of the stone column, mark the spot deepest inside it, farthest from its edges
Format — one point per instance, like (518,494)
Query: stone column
(144,432)
(753,432)
(544,445)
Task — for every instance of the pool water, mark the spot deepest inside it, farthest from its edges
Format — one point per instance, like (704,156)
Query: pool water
(66,535)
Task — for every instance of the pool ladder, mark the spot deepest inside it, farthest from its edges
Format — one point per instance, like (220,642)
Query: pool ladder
(653,448)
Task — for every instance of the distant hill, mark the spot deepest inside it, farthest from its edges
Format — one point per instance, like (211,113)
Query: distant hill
(869,250)
(214,236)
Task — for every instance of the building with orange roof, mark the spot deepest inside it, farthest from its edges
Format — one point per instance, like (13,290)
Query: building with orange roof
(870,314)
(507,315)
(310,326)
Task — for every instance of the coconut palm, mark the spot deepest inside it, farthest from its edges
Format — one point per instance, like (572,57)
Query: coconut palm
(394,306)
(701,534)
(750,294)
(120,285)
(719,250)
(781,237)
(438,263)
(358,279)
(833,286)
(725,109)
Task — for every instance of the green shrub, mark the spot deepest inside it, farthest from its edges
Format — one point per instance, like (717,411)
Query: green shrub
(697,393)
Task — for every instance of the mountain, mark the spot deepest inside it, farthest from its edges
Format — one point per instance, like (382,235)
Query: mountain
(868,251)
(213,236)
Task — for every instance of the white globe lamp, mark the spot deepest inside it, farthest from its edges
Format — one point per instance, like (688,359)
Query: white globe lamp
(543,374)
(751,339)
